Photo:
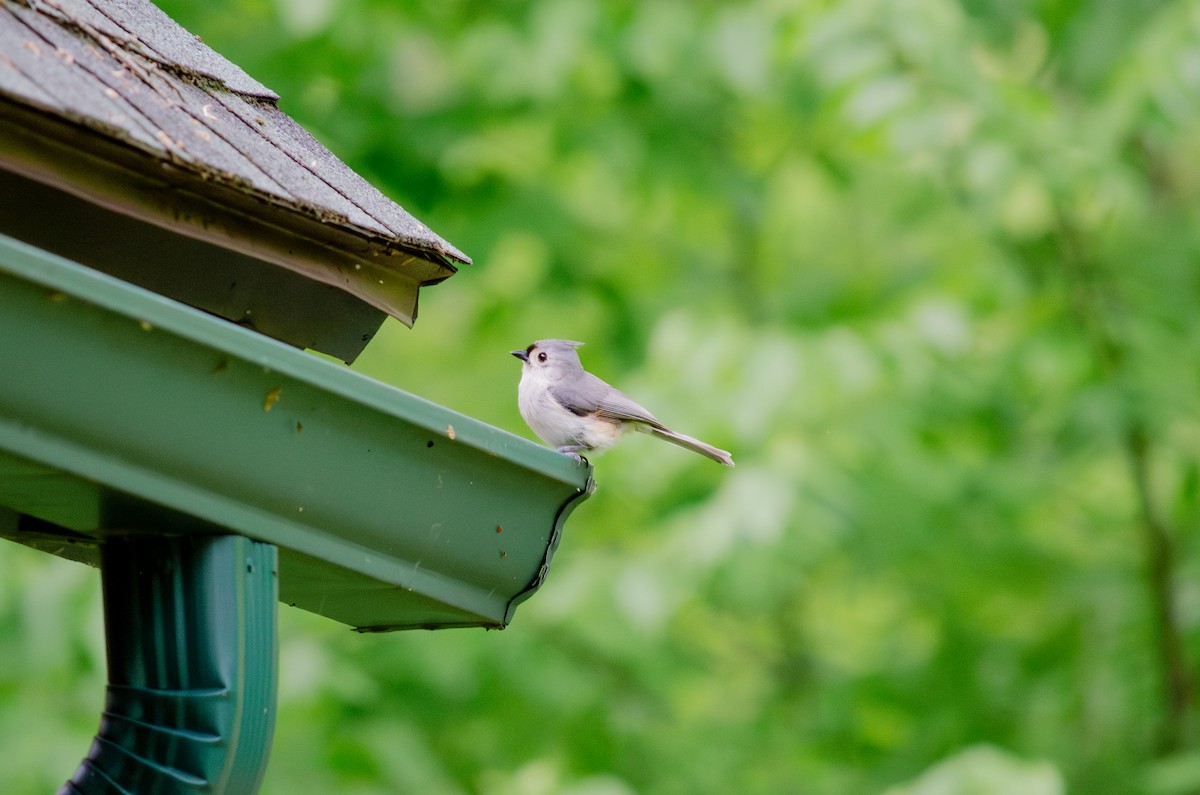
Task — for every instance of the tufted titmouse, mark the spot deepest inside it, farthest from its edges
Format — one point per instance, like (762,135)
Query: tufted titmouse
(573,410)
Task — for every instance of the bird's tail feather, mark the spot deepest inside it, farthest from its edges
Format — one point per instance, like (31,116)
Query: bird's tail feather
(689,443)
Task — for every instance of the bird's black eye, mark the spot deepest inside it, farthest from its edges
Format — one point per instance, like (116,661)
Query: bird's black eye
(542,356)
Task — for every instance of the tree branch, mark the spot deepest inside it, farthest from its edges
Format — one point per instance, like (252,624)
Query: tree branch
(1095,305)
(1160,568)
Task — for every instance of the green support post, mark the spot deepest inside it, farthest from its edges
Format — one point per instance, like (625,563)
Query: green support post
(192,656)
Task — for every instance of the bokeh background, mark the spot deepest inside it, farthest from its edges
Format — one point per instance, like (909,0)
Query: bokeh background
(928,268)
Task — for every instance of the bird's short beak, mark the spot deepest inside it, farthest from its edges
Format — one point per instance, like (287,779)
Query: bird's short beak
(522,355)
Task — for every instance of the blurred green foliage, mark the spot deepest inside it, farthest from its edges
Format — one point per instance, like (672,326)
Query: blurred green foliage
(928,268)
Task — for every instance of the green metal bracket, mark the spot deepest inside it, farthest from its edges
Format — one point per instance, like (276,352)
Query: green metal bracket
(191,626)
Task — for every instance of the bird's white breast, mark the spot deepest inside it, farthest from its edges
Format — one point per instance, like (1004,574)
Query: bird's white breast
(554,424)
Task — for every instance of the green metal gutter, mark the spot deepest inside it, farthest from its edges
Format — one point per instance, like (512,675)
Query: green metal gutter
(126,413)
(211,472)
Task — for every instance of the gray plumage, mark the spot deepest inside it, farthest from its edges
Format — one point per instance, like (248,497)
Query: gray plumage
(574,411)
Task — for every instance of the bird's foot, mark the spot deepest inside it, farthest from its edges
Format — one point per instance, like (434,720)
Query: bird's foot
(573,451)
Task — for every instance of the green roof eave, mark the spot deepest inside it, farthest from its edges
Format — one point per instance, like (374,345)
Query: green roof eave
(122,411)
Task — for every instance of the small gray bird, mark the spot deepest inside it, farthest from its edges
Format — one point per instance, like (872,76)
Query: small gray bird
(574,411)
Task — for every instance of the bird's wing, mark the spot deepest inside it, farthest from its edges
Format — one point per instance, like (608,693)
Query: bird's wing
(589,395)
(581,396)
(618,405)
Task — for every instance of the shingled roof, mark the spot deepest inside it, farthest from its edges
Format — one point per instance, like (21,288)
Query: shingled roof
(112,102)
